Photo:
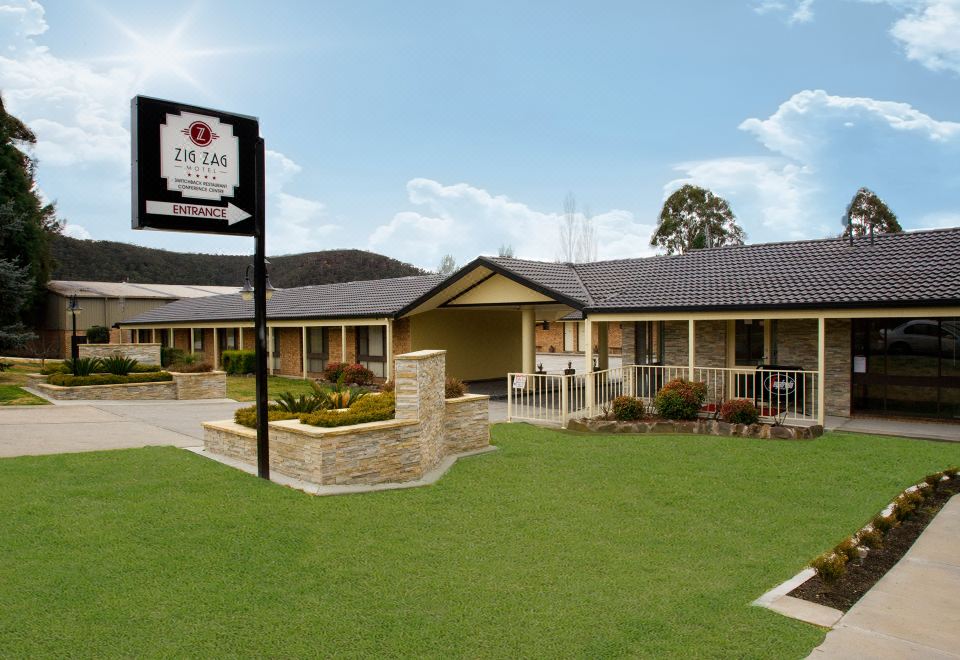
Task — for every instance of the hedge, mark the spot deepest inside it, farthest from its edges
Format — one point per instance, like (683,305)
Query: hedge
(373,408)
(236,363)
(248,416)
(69,380)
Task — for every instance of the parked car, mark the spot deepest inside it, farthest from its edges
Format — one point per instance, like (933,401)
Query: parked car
(922,337)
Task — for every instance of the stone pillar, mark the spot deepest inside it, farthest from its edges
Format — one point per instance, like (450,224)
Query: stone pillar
(528,339)
(419,378)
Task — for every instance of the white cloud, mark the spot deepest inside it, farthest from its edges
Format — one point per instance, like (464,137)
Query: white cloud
(939,220)
(465,221)
(76,231)
(929,32)
(797,11)
(823,148)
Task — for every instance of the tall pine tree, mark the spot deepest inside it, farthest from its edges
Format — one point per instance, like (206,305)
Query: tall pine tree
(26,224)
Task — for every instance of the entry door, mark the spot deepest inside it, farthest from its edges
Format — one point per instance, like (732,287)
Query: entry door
(569,337)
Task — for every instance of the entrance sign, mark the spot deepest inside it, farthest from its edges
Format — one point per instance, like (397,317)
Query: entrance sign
(194,169)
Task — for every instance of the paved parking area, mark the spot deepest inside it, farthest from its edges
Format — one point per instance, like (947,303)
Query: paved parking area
(93,425)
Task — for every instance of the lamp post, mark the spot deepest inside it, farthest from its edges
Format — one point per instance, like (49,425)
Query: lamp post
(73,306)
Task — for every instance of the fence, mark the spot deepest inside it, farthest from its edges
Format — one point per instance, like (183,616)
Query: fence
(554,399)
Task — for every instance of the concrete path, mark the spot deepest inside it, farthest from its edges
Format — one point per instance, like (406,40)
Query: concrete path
(914,610)
(928,430)
(93,425)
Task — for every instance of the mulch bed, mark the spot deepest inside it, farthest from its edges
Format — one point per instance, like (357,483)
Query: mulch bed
(861,574)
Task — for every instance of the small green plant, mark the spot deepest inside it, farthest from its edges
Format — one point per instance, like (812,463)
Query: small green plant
(628,409)
(454,388)
(847,548)
(739,411)
(871,538)
(170,355)
(884,524)
(237,363)
(339,395)
(98,334)
(305,403)
(830,566)
(118,365)
(82,366)
(907,503)
(680,399)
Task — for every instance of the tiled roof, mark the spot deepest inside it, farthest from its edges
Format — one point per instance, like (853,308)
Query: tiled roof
(370,298)
(912,268)
(908,268)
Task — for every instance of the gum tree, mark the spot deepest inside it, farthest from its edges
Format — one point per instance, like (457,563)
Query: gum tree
(694,218)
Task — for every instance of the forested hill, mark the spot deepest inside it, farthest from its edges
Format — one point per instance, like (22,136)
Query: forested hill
(108,261)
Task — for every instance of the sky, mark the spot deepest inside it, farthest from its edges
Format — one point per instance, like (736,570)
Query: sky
(419,129)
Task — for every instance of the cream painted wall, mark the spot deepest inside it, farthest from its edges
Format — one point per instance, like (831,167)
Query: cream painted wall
(496,291)
(480,344)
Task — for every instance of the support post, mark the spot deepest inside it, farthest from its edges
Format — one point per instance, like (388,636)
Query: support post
(216,348)
(343,344)
(528,341)
(193,341)
(691,348)
(588,364)
(240,338)
(303,350)
(821,369)
(260,314)
(603,345)
(388,368)
(271,342)
(564,399)
(153,335)
(170,337)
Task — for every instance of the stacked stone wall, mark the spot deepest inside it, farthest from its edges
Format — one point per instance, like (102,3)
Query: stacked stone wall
(142,353)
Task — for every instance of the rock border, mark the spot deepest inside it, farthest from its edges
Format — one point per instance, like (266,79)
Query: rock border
(698,427)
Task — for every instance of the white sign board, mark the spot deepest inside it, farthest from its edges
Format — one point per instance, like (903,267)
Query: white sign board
(859,364)
(519,382)
(199,156)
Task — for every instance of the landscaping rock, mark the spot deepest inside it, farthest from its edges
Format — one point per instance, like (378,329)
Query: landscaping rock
(781,433)
(663,427)
(724,429)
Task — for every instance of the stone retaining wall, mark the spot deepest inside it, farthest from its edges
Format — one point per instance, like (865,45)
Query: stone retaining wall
(699,427)
(201,385)
(426,429)
(204,385)
(142,353)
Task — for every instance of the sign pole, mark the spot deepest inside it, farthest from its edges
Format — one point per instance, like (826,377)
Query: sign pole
(260,315)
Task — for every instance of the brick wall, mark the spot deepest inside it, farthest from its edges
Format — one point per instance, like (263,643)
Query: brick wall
(249,339)
(838,367)
(551,338)
(797,343)
(628,339)
(181,339)
(401,336)
(335,353)
(291,351)
(675,341)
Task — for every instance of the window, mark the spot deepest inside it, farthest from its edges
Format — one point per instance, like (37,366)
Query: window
(275,349)
(749,343)
(198,341)
(372,348)
(227,339)
(649,342)
(318,349)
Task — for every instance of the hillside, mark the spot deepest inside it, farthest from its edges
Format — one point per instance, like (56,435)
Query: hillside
(109,261)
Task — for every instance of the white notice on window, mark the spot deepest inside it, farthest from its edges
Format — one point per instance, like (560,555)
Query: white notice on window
(859,364)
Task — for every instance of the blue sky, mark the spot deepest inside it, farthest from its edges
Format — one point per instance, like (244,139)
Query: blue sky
(418,129)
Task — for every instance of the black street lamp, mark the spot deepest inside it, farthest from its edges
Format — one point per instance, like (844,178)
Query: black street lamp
(73,306)
(246,292)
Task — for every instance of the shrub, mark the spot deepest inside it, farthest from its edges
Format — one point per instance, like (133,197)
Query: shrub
(830,566)
(141,368)
(338,395)
(628,408)
(847,548)
(59,368)
(248,416)
(680,399)
(333,371)
(934,480)
(906,504)
(369,409)
(357,374)
(170,355)
(98,334)
(118,365)
(454,388)
(872,538)
(884,524)
(237,363)
(69,380)
(82,366)
(739,411)
(191,368)
(305,403)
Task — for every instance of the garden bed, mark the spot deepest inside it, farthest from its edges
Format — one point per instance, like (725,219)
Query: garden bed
(699,427)
(862,573)
(140,386)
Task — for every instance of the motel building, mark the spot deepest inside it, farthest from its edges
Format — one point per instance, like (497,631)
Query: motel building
(805,329)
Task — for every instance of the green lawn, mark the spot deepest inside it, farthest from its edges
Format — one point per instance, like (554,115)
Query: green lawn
(11,392)
(243,388)
(556,545)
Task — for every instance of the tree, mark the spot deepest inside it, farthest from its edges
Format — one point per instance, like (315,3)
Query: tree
(578,239)
(866,211)
(26,225)
(506,250)
(448,265)
(693,218)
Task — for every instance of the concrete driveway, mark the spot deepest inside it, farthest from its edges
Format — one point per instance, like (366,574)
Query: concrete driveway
(93,425)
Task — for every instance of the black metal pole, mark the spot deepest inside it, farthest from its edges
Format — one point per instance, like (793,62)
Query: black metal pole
(260,317)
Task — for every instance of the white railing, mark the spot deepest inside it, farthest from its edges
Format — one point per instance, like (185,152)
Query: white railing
(787,395)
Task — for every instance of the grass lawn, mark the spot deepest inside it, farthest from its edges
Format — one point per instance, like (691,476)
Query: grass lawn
(556,545)
(11,392)
(243,388)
